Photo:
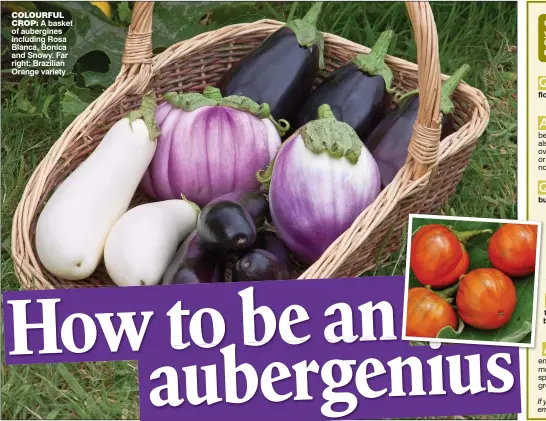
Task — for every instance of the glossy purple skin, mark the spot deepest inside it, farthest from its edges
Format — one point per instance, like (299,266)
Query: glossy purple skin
(208,152)
(192,264)
(390,140)
(269,241)
(259,265)
(279,73)
(356,98)
(314,198)
(254,202)
(226,226)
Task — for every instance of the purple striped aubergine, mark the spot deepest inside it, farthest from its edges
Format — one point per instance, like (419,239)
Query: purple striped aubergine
(319,183)
(210,146)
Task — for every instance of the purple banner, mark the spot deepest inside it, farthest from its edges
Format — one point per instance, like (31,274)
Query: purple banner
(306,350)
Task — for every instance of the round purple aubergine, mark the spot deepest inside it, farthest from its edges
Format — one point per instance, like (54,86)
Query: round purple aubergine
(320,182)
(208,147)
(259,265)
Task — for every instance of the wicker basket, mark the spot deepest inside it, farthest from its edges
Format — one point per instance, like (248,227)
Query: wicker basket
(429,177)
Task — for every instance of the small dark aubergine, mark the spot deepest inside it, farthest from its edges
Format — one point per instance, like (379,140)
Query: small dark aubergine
(358,92)
(259,265)
(253,201)
(225,225)
(193,264)
(390,140)
(281,71)
(269,241)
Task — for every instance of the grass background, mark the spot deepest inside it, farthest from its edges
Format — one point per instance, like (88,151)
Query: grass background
(482,34)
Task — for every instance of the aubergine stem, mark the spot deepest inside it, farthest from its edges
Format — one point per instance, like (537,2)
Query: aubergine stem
(212,97)
(449,86)
(264,176)
(326,134)
(306,30)
(195,206)
(212,92)
(448,293)
(466,236)
(403,97)
(147,113)
(374,62)
(312,15)
(445,294)
(215,94)
(325,113)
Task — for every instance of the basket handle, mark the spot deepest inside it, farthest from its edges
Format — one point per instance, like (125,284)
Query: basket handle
(137,55)
(425,141)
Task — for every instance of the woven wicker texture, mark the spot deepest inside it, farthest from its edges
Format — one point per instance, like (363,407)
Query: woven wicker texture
(429,177)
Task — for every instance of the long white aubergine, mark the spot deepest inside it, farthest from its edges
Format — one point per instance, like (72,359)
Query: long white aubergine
(144,240)
(75,222)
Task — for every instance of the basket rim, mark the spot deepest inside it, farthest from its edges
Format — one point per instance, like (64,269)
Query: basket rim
(30,272)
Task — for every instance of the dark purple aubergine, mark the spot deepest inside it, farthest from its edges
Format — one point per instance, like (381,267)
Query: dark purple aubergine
(253,201)
(269,241)
(259,265)
(390,140)
(193,264)
(281,71)
(358,92)
(225,226)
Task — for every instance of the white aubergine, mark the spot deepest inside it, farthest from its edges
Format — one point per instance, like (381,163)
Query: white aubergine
(143,242)
(72,229)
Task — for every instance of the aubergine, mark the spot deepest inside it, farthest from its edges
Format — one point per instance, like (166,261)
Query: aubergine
(269,241)
(390,140)
(281,71)
(193,264)
(256,205)
(259,265)
(225,225)
(358,92)
(253,201)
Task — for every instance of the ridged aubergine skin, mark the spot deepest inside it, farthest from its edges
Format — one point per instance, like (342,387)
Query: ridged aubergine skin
(313,198)
(279,72)
(355,97)
(208,152)
(390,140)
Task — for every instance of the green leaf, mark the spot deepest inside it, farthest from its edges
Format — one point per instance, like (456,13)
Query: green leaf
(124,12)
(174,21)
(21,98)
(45,107)
(92,31)
(72,105)
(6,33)
(518,329)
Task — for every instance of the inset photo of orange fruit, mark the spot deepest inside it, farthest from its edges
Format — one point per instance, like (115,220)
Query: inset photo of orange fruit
(471,280)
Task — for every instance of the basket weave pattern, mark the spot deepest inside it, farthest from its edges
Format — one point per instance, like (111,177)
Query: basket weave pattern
(428,179)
